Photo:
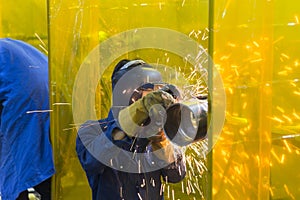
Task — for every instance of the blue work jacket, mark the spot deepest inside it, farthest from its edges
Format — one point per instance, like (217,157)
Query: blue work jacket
(108,183)
(25,149)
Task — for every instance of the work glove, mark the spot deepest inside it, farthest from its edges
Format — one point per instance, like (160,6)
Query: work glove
(162,147)
(133,118)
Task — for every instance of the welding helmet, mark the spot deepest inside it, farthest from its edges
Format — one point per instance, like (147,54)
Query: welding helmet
(130,75)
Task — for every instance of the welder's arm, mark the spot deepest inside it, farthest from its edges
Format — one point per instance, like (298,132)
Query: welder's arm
(87,136)
(92,145)
(176,171)
(166,151)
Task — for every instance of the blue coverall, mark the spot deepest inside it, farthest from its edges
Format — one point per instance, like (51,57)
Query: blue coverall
(110,184)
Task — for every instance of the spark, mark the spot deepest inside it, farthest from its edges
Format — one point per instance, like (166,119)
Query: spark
(291,24)
(225,8)
(187,190)
(284,73)
(288,191)
(139,166)
(162,189)
(296,93)
(224,57)
(153,182)
(287,146)
(229,194)
(280,109)
(243,26)
(282,158)
(191,32)
(289,119)
(204,37)
(258,160)
(39,38)
(139,196)
(244,105)
(293,84)
(144,183)
(275,156)
(121,192)
(197,187)
(255,43)
(231,44)
(179,169)
(191,186)
(271,191)
(257,53)
(285,56)
(256,60)
(290,136)
(44,49)
(190,165)
(38,111)
(296,19)
(61,104)
(296,115)
(247,46)
(183,2)
(173,195)
(214,191)
(224,13)
(230,90)
(279,39)
(67,129)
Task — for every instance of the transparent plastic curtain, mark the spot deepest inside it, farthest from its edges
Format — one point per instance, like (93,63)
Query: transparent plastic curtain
(256,51)
(19,22)
(76,28)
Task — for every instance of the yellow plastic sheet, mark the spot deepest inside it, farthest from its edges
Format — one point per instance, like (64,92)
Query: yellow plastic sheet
(255,49)
(76,28)
(255,46)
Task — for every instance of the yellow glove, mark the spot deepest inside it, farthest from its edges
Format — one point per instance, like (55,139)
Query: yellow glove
(135,115)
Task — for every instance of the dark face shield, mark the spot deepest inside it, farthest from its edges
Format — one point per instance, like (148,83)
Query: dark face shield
(130,81)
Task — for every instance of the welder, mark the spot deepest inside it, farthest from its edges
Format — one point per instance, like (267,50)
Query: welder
(137,90)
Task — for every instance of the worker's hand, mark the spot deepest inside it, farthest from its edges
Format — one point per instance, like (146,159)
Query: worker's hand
(149,108)
(162,147)
(158,140)
(173,90)
(160,97)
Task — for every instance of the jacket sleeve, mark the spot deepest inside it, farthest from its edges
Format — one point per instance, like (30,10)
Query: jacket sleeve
(95,147)
(176,171)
